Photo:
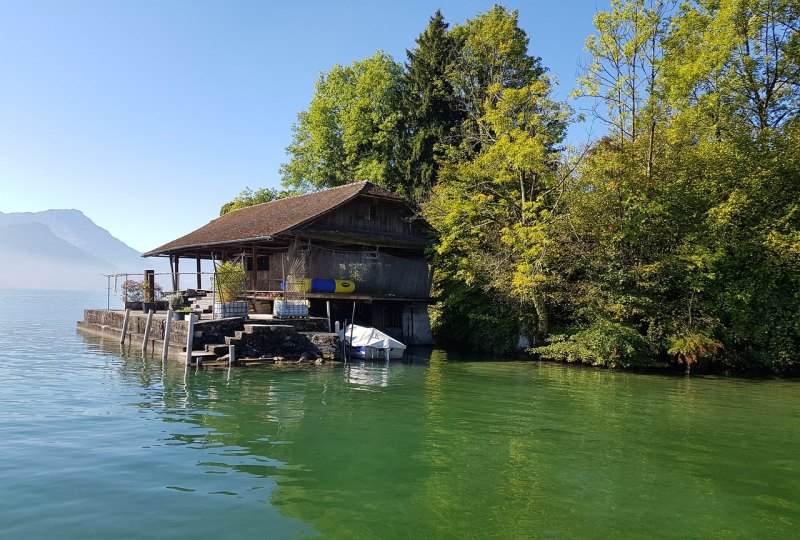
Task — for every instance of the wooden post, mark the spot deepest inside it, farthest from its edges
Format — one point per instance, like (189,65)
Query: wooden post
(413,336)
(172,271)
(189,339)
(231,354)
(344,342)
(147,326)
(254,270)
(167,332)
(176,277)
(125,326)
(351,329)
(328,310)
(199,274)
(150,278)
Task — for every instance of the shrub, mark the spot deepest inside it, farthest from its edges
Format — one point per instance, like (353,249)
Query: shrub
(229,281)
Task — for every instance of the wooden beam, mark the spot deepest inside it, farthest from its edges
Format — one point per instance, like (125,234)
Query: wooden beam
(199,274)
(176,277)
(254,269)
(172,259)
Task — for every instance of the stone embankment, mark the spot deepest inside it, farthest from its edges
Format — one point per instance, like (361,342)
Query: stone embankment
(265,340)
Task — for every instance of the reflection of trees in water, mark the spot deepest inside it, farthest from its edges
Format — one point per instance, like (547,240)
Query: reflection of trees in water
(329,452)
(475,448)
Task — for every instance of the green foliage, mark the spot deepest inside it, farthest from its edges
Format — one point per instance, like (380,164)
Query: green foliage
(349,132)
(229,280)
(683,221)
(497,193)
(176,301)
(690,347)
(469,318)
(248,197)
(431,111)
(493,52)
(602,342)
(674,237)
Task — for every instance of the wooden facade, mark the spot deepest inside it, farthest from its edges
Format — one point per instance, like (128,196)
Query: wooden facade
(359,232)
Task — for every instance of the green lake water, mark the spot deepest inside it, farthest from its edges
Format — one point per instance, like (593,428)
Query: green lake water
(100,444)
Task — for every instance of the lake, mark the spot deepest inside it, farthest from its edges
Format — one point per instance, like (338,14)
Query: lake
(99,443)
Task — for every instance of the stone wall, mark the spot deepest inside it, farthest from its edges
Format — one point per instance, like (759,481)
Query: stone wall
(112,320)
(262,339)
(207,332)
(266,341)
(309,324)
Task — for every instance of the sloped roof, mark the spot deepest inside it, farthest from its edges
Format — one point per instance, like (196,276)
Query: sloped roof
(272,218)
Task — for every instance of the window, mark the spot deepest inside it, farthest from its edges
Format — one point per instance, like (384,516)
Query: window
(369,212)
(262,263)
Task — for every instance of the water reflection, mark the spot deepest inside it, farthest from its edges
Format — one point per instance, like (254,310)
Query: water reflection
(364,375)
(454,449)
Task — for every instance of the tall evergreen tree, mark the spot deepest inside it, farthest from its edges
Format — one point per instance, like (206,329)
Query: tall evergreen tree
(431,110)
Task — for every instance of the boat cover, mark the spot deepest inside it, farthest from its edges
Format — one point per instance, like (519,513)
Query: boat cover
(370,337)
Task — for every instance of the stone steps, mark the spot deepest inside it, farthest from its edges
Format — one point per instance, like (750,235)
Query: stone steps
(203,355)
(268,338)
(217,348)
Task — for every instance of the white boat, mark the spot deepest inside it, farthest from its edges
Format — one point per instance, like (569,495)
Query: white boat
(371,344)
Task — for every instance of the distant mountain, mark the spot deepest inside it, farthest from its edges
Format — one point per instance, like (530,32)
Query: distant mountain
(62,249)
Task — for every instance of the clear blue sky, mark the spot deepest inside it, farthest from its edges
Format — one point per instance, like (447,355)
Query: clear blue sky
(149,115)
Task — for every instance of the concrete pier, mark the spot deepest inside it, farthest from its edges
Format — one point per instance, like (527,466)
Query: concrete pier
(261,338)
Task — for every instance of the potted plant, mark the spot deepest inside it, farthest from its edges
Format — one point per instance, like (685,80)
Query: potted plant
(176,301)
(132,294)
(229,279)
(181,313)
(149,296)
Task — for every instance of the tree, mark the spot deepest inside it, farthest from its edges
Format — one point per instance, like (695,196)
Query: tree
(671,246)
(349,132)
(431,113)
(739,62)
(498,193)
(248,197)
(493,50)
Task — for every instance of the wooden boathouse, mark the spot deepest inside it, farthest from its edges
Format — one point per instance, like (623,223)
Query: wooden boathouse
(359,233)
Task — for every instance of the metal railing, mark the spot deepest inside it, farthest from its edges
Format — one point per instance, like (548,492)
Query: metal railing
(116,285)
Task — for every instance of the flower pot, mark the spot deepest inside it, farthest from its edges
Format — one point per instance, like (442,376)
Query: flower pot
(230,309)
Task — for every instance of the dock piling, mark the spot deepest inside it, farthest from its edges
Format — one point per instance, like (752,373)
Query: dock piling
(147,327)
(231,355)
(167,332)
(189,339)
(124,326)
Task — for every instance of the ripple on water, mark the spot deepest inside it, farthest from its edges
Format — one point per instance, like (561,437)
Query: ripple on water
(94,440)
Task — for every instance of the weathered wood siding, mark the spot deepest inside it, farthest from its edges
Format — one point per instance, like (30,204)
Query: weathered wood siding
(379,274)
(369,216)
(267,280)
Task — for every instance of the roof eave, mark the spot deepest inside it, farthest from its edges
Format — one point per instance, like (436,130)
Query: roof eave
(164,252)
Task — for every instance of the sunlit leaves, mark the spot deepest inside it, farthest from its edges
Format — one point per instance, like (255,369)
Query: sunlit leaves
(348,133)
